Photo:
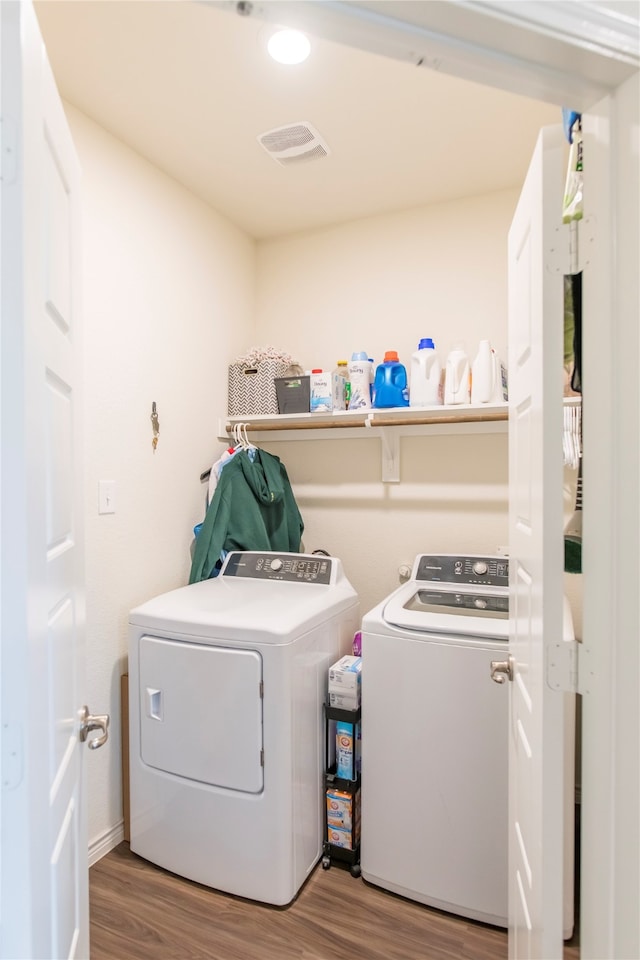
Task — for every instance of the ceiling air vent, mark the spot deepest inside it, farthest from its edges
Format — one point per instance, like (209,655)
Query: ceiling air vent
(295,143)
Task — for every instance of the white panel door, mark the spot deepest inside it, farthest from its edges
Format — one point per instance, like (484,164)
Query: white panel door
(44,843)
(537,557)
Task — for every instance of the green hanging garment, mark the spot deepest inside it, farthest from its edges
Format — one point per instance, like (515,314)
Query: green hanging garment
(253,508)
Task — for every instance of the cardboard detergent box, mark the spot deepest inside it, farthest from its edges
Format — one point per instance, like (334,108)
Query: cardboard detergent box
(343,810)
(345,686)
(348,753)
(344,701)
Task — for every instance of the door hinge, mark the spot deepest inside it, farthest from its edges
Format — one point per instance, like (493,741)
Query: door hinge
(563,666)
(572,251)
(262,758)
(261,690)
(8,150)
(12,768)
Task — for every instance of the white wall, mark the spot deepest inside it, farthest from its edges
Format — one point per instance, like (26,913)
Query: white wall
(168,299)
(172,293)
(381,284)
(384,282)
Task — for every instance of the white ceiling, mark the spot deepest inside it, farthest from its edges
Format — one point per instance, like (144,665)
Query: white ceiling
(190,87)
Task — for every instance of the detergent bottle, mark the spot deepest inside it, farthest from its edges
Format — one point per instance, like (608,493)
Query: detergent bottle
(501,385)
(340,386)
(360,380)
(457,376)
(483,374)
(425,388)
(390,384)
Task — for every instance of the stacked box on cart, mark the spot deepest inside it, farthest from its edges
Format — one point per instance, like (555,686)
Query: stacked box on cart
(345,683)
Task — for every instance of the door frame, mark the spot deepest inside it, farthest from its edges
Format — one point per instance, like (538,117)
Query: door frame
(611,628)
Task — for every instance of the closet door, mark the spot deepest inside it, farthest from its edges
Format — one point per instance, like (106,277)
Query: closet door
(536,558)
(44,863)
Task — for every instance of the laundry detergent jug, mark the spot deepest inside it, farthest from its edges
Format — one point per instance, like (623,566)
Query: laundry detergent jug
(483,374)
(425,388)
(457,376)
(390,385)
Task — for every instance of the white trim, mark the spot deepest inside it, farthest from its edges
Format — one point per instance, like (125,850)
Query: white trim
(610,861)
(485,42)
(598,27)
(105,843)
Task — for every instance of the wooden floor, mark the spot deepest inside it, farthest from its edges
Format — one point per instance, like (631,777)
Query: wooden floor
(139,911)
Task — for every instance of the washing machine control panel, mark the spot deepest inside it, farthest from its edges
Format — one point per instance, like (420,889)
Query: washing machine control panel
(452,568)
(269,566)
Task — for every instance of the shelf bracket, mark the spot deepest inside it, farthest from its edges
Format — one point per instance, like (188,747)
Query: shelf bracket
(390,441)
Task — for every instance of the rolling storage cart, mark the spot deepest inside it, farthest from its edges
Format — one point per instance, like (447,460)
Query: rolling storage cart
(342,788)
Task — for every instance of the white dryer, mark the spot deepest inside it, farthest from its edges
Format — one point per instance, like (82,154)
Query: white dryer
(227,680)
(435,738)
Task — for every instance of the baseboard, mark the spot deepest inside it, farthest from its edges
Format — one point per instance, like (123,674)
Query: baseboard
(100,848)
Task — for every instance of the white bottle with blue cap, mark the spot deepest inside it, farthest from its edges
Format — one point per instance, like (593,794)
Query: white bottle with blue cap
(425,385)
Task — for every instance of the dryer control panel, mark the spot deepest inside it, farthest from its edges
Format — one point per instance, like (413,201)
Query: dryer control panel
(452,568)
(292,568)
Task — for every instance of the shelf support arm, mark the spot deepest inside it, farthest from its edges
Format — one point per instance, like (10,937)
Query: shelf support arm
(390,449)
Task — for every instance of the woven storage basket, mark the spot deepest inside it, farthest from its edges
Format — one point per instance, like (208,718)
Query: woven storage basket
(252,390)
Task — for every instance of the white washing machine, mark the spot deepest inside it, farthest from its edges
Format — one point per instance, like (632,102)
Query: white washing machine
(435,738)
(227,680)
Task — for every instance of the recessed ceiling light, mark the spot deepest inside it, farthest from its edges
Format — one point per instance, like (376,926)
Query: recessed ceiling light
(289,46)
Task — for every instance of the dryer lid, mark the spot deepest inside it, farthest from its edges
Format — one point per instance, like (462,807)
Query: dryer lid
(271,611)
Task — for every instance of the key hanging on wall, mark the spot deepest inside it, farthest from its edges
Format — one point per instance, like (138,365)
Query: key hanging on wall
(155,424)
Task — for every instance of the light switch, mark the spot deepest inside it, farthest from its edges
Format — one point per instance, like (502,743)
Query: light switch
(107,496)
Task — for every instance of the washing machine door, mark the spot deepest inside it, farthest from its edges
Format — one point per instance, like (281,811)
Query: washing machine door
(201,712)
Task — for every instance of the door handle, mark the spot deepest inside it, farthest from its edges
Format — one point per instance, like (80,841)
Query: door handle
(502,670)
(89,722)
(154,704)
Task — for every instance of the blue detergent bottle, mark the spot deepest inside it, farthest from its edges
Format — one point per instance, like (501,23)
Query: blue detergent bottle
(390,385)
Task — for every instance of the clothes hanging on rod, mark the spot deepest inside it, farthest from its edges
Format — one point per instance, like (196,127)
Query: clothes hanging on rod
(572,436)
(241,442)
(573,209)
(252,508)
(216,470)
